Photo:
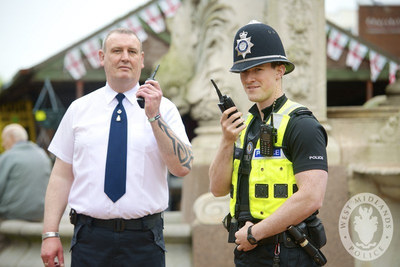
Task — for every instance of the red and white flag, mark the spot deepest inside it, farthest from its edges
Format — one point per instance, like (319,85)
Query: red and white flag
(134,24)
(376,62)
(153,17)
(169,7)
(91,50)
(74,64)
(336,43)
(393,68)
(356,54)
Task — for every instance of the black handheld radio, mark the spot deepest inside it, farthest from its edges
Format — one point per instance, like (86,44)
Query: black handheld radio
(268,137)
(140,99)
(225,102)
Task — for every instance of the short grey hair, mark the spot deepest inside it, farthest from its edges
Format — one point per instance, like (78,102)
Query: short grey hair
(16,132)
(121,31)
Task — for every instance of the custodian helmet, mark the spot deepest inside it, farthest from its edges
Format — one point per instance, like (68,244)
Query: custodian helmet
(255,44)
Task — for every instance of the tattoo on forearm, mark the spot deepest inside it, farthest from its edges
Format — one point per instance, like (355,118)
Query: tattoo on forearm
(183,151)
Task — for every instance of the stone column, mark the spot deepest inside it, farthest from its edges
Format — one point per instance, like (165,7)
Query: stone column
(301,26)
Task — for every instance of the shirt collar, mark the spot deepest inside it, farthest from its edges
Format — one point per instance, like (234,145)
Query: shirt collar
(130,94)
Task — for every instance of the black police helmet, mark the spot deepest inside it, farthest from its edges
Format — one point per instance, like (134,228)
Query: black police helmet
(255,44)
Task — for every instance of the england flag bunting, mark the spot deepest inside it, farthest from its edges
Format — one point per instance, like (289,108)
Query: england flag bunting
(336,43)
(169,7)
(134,24)
(153,17)
(376,62)
(393,68)
(74,64)
(91,50)
(355,55)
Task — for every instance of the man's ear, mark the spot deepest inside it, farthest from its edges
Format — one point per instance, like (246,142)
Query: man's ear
(101,57)
(281,69)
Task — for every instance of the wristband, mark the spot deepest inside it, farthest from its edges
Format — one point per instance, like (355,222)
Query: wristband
(50,234)
(155,118)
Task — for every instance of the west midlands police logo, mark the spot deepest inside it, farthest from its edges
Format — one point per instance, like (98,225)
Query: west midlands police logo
(244,44)
(366,226)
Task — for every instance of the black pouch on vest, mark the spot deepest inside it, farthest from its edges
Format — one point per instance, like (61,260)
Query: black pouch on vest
(316,232)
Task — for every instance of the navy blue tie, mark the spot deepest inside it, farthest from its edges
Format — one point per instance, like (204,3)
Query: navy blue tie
(115,180)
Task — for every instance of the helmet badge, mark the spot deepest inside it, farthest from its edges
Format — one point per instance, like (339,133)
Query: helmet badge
(244,44)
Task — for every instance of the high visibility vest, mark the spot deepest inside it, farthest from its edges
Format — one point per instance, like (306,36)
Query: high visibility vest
(271,179)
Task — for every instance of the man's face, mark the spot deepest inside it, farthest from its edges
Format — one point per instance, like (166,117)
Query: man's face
(122,58)
(260,82)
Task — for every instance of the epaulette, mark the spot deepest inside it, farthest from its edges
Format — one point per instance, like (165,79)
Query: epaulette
(300,111)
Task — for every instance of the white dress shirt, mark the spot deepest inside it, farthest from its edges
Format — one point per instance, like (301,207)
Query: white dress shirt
(82,140)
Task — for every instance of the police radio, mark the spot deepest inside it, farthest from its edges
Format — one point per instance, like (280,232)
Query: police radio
(268,137)
(140,99)
(225,102)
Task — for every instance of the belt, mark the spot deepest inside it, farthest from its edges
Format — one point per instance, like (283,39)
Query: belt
(278,238)
(120,225)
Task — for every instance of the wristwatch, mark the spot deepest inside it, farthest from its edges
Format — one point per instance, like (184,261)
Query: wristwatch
(250,237)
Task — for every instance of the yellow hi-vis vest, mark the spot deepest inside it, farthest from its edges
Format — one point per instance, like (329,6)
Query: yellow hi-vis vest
(271,180)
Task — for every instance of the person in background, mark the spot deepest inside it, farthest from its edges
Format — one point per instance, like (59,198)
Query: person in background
(273,163)
(24,173)
(116,201)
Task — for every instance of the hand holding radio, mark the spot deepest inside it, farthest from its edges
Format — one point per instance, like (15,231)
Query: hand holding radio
(140,99)
(225,102)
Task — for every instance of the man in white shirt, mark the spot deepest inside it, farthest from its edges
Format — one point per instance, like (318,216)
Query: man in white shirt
(126,231)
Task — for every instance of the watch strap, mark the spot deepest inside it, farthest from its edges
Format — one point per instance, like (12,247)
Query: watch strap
(250,236)
(156,117)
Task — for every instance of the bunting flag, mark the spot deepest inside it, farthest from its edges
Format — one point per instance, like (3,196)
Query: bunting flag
(336,43)
(393,68)
(355,55)
(74,64)
(153,17)
(377,62)
(91,50)
(134,24)
(169,7)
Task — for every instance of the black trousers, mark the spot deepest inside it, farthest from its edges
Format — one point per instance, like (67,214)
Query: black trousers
(262,256)
(96,246)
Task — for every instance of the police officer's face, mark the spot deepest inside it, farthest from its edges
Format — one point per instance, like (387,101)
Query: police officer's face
(122,58)
(261,82)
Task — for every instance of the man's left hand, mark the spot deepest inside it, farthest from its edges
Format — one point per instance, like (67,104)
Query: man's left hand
(241,238)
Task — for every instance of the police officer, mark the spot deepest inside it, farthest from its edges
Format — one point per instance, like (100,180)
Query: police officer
(274,165)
